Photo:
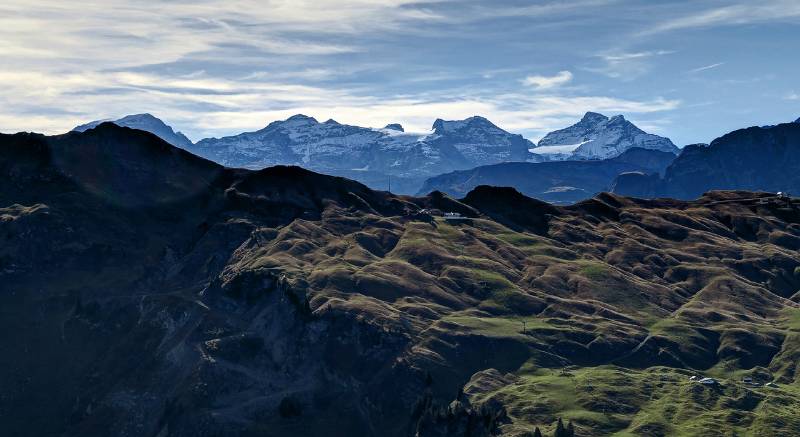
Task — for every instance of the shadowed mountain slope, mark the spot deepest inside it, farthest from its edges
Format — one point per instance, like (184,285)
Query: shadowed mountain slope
(557,181)
(756,158)
(155,293)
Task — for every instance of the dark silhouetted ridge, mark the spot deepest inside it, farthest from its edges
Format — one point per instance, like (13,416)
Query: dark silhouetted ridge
(510,207)
(756,159)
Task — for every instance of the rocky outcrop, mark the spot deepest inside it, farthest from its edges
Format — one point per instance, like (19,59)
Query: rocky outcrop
(637,184)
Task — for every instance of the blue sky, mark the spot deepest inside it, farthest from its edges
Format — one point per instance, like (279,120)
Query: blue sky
(690,70)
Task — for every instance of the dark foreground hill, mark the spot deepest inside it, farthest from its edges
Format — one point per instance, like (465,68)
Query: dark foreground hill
(148,292)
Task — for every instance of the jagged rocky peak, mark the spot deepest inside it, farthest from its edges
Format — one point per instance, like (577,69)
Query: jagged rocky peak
(395,126)
(597,136)
(439,125)
(797,121)
(593,118)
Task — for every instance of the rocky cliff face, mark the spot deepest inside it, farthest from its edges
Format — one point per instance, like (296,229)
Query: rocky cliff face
(757,158)
(151,292)
(596,136)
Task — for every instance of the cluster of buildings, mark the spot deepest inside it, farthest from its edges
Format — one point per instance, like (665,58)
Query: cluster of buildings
(747,380)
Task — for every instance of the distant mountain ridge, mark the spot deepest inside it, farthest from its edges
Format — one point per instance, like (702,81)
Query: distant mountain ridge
(596,136)
(147,123)
(383,158)
(756,159)
(387,158)
(390,158)
(560,182)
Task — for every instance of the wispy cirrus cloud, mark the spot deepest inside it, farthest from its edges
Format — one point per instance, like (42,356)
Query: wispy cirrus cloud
(625,65)
(622,56)
(706,67)
(477,10)
(734,14)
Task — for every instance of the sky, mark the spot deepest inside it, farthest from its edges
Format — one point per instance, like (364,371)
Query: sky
(690,70)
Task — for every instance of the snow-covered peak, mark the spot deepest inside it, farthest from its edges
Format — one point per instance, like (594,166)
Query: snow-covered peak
(474,123)
(478,120)
(333,147)
(300,119)
(91,125)
(148,123)
(593,118)
(480,141)
(295,123)
(596,136)
(141,118)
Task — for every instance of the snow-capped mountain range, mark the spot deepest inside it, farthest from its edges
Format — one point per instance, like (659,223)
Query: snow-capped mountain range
(390,157)
(331,146)
(599,137)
